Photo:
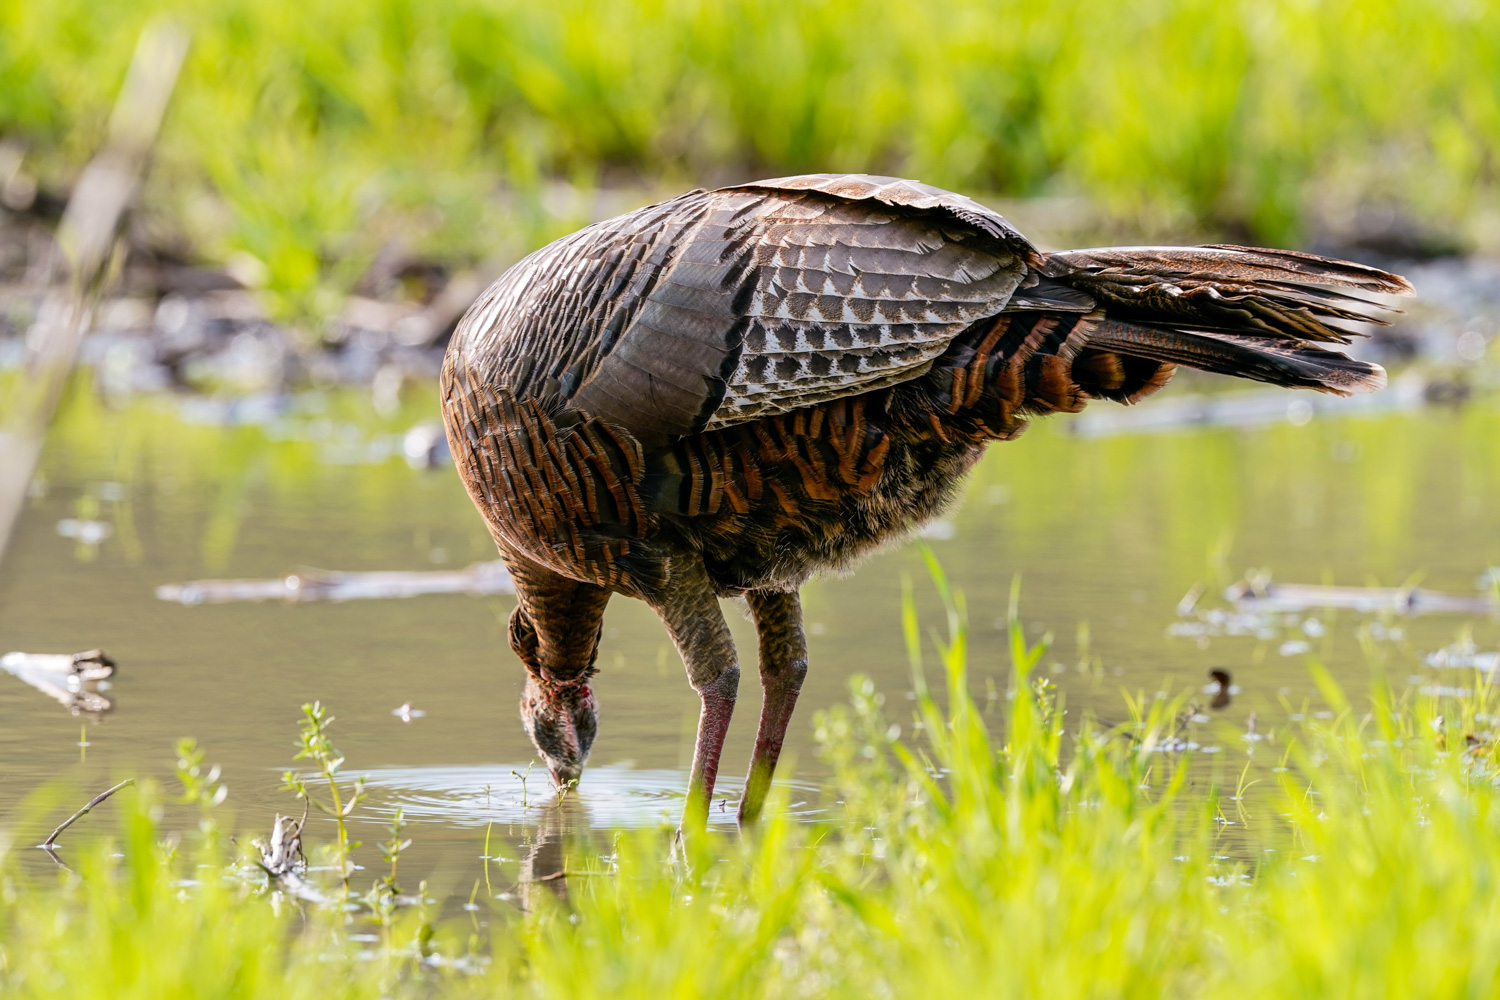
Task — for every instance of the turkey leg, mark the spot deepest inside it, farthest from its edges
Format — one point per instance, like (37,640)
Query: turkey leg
(783,665)
(690,612)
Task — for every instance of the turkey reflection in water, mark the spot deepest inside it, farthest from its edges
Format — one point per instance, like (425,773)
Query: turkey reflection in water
(1107,534)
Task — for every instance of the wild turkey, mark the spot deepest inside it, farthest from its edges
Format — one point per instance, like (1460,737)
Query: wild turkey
(722,394)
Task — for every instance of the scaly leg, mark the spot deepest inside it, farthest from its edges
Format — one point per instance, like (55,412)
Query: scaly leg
(783,665)
(690,611)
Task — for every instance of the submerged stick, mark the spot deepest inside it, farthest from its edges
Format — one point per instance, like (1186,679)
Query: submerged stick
(557,875)
(86,236)
(328,585)
(48,844)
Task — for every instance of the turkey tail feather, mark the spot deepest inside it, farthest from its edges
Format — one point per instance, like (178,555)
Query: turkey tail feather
(1238,290)
(1251,313)
(1279,362)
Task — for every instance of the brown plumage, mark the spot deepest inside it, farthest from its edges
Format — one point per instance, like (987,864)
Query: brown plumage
(725,393)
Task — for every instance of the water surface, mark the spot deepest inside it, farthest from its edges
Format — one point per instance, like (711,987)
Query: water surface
(1108,534)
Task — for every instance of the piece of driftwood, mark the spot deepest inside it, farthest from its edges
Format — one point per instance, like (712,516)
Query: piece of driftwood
(282,851)
(50,844)
(86,237)
(72,679)
(1297,597)
(282,860)
(327,585)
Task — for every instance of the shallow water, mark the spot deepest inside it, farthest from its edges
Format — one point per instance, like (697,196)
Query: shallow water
(1107,531)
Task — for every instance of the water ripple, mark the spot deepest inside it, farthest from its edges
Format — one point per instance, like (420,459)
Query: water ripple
(611,796)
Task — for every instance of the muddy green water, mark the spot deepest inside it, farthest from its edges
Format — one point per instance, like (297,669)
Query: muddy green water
(1108,533)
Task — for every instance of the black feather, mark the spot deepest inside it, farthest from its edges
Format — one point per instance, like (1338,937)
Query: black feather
(1263,359)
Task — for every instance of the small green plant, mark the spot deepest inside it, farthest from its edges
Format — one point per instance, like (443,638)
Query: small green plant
(522,778)
(314,745)
(384,896)
(391,851)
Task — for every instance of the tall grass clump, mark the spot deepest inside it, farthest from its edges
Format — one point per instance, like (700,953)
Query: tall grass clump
(1078,861)
(305,137)
(1043,856)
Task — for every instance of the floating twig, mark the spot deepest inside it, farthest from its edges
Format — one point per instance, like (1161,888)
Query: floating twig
(561,874)
(328,585)
(50,843)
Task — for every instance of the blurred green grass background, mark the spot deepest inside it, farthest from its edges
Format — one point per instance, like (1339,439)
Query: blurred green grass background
(308,134)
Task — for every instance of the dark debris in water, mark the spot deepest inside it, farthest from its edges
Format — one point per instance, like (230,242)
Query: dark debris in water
(1221,687)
